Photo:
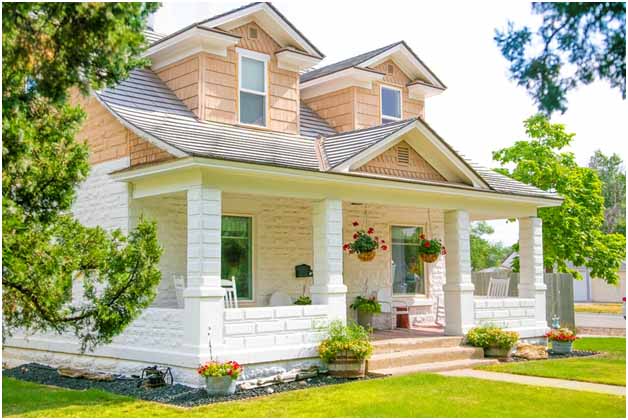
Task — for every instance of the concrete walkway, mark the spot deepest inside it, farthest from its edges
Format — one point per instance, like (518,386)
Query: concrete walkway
(538,381)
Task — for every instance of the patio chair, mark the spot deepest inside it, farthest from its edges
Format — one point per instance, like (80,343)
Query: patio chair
(392,306)
(279,299)
(231,293)
(498,287)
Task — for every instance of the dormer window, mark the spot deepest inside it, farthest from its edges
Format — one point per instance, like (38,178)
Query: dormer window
(253,81)
(390,104)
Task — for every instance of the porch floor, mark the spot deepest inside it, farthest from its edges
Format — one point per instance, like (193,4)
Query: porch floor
(419,331)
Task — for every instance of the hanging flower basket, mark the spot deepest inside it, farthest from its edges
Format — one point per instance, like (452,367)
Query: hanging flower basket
(430,249)
(364,244)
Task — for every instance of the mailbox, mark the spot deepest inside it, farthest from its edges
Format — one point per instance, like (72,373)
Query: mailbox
(303,270)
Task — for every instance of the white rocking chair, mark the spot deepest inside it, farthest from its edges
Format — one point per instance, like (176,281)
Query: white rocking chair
(498,287)
(231,293)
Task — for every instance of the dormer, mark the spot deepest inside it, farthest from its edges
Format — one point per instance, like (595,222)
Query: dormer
(241,67)
(378,87)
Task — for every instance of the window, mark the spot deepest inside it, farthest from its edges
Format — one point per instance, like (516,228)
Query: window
(391,104)
(237,253)
(252,88)
(407,267)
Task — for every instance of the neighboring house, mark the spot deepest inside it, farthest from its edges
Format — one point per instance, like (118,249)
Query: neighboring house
(251,168)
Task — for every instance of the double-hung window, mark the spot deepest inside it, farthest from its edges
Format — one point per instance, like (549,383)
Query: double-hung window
(253,87)
(391,104)
(237,253)
(407,267)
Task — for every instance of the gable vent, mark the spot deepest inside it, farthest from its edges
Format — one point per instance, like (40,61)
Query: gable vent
(403,155)
(252,32)
(390,69)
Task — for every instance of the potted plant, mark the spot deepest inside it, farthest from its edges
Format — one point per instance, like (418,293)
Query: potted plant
(562,340)
(345,350)
(220,378)
(365,244)
(303,300)
(430,249)
(366,307)
(495,341)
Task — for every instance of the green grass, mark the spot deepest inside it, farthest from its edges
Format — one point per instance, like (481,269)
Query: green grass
(608,368)
(600,308)
(419,395)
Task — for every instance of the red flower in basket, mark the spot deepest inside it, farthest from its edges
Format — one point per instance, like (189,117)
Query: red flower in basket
(430,249)
(427,244)
(345,247)
(384,248)
(355,224)
(370,231)
(364,244)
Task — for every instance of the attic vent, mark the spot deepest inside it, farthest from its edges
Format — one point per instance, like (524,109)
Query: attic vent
(390,69)
(403,155)
(252,32)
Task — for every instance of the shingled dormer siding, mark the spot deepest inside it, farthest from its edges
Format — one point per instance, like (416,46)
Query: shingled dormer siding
(208,83)
(354,108)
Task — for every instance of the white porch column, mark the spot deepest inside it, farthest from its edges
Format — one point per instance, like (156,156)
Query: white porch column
(328,287)
(458,288)
(203,295)
(531,283)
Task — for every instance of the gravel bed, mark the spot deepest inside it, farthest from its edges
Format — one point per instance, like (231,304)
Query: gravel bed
(551,355)
(177,394)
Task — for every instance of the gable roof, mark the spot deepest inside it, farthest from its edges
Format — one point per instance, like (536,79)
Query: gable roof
(362,60)
(144,104)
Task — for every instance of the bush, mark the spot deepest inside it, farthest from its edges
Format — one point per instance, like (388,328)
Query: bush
(366,305)
(350,338)
(489,336)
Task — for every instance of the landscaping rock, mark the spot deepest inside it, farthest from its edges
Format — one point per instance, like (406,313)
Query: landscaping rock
(531,351)
(80,373)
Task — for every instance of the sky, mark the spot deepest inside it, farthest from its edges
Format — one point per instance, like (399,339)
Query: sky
(482,110)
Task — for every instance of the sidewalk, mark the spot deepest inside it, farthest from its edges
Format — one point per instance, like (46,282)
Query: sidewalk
(538,381)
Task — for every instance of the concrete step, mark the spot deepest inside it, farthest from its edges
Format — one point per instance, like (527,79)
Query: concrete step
(433,367)
(405,344)
(422,356)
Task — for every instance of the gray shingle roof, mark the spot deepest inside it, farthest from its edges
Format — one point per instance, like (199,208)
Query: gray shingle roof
(152,36)
(145,104)
(312,125)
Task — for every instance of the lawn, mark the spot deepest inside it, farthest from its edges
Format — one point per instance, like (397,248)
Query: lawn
(608,368)
(600,308)
(419,395)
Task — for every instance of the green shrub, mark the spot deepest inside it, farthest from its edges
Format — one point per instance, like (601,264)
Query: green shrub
(489,336)
(303,300)
(350,338)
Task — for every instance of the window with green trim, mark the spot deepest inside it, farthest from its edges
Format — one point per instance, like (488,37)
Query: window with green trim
(237,253)
(407,268)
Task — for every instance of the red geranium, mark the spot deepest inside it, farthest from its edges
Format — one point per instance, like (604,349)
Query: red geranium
(427,244)
(364,242)
(370,231)
(355,224)
(384,247)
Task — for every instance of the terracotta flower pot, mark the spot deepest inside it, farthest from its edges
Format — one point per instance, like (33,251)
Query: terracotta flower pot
(429,258)
(366,256)
(220,385)
(346,365)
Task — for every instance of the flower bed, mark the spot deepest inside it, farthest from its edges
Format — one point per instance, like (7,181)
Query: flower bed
(177,394)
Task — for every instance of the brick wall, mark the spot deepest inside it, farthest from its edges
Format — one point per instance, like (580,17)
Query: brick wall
(505,313)
(274,326)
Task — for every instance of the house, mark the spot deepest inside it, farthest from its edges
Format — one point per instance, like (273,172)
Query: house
(252,163)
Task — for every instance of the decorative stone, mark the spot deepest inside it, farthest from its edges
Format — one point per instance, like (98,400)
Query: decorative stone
(531,351)
(84,374)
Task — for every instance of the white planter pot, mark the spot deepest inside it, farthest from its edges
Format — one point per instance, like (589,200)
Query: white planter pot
(220,385)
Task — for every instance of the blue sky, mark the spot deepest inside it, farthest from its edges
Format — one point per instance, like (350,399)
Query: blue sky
(481,110)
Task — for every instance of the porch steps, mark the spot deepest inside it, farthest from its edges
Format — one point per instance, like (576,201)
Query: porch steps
(398,356)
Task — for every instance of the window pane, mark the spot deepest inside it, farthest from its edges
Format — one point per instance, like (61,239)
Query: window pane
(253,74)
(252,108)
(407,269)
(236,258)
(391,103)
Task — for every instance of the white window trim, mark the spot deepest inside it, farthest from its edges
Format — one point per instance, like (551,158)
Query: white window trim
(265,58)
(381,104)
(253,260)
(427,279)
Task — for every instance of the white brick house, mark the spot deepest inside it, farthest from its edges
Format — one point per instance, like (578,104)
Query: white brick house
(250,169)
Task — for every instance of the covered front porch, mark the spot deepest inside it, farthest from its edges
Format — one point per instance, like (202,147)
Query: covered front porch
(215,224)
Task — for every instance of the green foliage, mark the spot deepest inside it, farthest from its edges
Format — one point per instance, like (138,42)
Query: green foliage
(430,246)
(572,232)
(575,44)
(489,336)
(49,50)
(611,171)
(366,305)
(345,338)
(485,254)
(303,300)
